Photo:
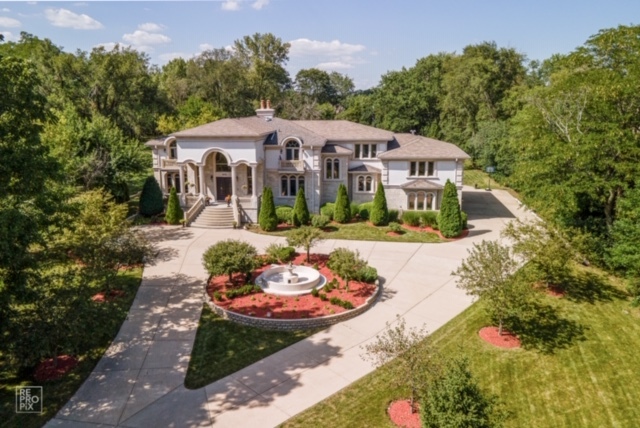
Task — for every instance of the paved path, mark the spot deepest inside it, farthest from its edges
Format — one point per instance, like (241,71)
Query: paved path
(139,382)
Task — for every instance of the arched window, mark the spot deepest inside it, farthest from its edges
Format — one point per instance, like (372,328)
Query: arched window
(222,165)
(430,201)
(365,183)
(420,201)
(332,169)
(368,184)
(173,150)
(361,184)
(411,201)
(336,169)
(292,150)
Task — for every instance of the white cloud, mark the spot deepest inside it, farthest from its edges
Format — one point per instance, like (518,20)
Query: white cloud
(67,19)
(151,27)
(259,4)
(173,55)
(5,9)
(8,36)
(231,5)
(334,65)
(9,22)
(205,47)
(141,39)
(335,48)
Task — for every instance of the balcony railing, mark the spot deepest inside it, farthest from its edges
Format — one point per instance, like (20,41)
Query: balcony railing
(297,165)
(168,163)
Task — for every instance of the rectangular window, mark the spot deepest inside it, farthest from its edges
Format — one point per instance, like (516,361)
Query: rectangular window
(414,169)
(357,151)
(374,148)
(422,169)
(430,169)
(366,151)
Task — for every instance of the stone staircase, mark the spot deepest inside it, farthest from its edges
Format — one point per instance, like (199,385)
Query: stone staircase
(215,217)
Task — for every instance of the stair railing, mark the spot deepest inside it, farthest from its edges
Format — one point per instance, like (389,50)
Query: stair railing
(195,209)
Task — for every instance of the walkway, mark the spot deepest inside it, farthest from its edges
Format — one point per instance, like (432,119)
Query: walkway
(139,382)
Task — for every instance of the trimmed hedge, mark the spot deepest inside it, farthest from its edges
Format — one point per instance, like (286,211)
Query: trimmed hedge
(327,210)
(319,220)
(365,210)
(394,216)
(284,214)
(411,218)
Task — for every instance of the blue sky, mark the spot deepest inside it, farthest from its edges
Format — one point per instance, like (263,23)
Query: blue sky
(361,38)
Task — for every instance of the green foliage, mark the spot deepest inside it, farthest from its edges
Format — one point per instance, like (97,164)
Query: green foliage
(450,219)
(319,220)
(411,218)
(300,209)
(367,274)
(284,214)
(354,209)
(245,290)
(394,216)
(327,210)
(428,219)
(455,400)
(229,257)
(151,202)
(315,292)
(279,253)
(623,255)
(342,303)
(379,212)
(364,210)
(267,218)
(217,296)
(193,112)
(305,236)
(174,211)
(346,263)
(396,227)
(464,217)
(342,210)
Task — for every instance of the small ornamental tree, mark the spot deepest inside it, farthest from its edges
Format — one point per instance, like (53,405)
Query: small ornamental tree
(345,263)
(305,236)
(300,209)
(150,198)
(174,212)
(229,257)
(379,214)
(267,218)
(455,400)
(342,209)
(489,273)
(450,219)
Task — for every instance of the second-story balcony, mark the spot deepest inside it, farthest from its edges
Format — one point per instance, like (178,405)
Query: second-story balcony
(169,163)
(292,165)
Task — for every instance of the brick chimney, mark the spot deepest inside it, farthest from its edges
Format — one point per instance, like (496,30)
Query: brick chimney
(265,111)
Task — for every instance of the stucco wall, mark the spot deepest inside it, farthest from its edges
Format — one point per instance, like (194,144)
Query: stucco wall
(237,150)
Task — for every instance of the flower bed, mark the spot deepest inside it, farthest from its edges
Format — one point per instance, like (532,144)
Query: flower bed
(464,234)
(264,305)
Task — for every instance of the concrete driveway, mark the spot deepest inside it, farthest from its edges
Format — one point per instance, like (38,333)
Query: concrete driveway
(139,382)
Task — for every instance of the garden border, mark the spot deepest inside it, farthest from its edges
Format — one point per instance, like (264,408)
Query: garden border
(297,324)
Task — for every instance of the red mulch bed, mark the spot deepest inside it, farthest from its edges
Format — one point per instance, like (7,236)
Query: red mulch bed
(400,414)
(47,371)
(103,296)
(464,234)
(506,340)
(555,292)
(263,305)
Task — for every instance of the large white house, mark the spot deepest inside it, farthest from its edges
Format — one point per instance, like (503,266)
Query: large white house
(239,157)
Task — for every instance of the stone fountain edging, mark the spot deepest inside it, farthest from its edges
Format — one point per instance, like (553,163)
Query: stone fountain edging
(297,324)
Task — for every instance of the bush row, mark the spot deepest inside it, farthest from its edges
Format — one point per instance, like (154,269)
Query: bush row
(243,291)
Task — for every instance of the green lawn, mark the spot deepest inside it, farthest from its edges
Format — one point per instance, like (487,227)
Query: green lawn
(362,231)
(57,393)
(479,178)
(580,369)
(223,347)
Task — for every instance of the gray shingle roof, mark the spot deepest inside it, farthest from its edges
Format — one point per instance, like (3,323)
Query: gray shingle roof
(421,184)
(343,130)
(155,142)
(409,146)
(335,149)
(365,168)
(241,127)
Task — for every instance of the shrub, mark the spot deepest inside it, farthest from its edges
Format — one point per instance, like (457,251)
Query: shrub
(411,218)
(327,210)
(450,220)
(217,296)
(342,210)
(151,198)
(229,257)
(314,292)
(365,210)
(323,297)
(267,219)
(465,218)
(394,215)
(174,212)
(379,213)
(339,302)
(319,220)
(345,263)
(367,274)
(279,253)
(245,290)
(396,227)
(429,218)
(284,213)
(305,236)
(300,208)
(354,209)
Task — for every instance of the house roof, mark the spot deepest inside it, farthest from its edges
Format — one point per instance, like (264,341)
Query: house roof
(335,149)
(365,168)
(421,184)
(241,127)
(409,146)
(155,142)
(343,130)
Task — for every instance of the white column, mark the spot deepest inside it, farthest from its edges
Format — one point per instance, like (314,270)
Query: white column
(254,172)
(181,189)
(201,175)
(233,180)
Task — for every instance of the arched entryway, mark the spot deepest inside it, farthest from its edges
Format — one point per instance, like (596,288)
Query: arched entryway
(217,176)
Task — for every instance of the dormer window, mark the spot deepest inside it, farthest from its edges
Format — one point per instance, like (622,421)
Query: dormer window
(173,150)
(292,150)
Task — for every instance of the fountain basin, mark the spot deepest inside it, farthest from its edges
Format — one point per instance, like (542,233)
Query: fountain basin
(290,280)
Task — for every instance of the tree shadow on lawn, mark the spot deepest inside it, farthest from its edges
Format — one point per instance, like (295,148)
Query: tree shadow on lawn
(589,287)
(540,327)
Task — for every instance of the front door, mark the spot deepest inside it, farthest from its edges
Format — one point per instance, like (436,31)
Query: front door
(223,185)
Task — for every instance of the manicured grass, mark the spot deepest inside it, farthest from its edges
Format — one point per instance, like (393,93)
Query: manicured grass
(223,347)
(362,231)
(579,369)
(57,393)
(479,178)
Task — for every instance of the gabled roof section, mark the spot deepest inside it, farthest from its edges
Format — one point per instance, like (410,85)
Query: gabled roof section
(343,130)
(156,142)
(409,146)
(421,184)
(365,168)
(334,149)
(291,128)
(241,127)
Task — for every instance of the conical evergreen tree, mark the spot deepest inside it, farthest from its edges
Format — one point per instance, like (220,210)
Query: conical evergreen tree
(267,218)
(174,212)
(342,209)
(450,219)
(300,209)
(379,215)
(150,198)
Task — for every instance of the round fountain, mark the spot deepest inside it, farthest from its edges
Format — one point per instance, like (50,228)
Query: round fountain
(290,280)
